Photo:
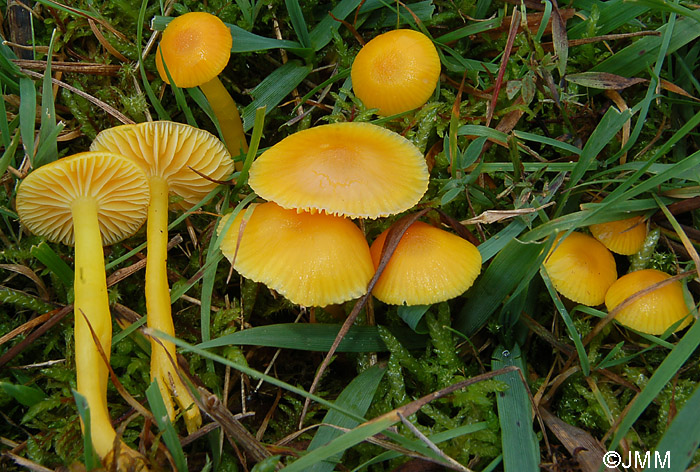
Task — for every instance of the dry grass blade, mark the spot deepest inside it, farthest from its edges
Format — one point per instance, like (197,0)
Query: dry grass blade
(514,24)
(458,227)
(109,109)
(102,22)
(56,316)
(27,272)
(583,447)
(25,327)
(106,44)
(121,274)
(494,216)
(211,405)
(453,463)
(611,315)
(396,231)
(89,68)
(690,249)
(33,466)
(611,37)
(559,37)
(115,380)
(622,106)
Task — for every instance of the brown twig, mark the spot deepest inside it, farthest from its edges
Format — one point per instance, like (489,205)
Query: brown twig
(392,241)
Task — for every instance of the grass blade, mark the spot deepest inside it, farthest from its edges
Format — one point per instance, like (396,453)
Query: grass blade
(27,114)
(570,327)
(315,337)
(90,456)
(340,444)
(55,264)
(662,376)
(270,92)
(516,262)
(298,22)
(643,53)
(48,130)
(160,414)
(356,397)
(521,452)
(681,439)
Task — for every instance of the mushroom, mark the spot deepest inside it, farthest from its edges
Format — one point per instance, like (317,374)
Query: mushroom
(349,169)
(581,268)
(196,47)
(624,237)
(89,200)
(396,71)
(428,266)
(653,312)
(169,153)
(311,259)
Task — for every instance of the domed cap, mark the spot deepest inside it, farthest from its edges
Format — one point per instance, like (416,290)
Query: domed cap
(311,259)
(622,236)
(581,268)
(428,266)
(118,185)
(196,47)
(350,169)
(396,71)
(171,151)
(654,312)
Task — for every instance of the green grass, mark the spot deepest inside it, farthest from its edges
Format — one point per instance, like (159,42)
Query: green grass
(553,157)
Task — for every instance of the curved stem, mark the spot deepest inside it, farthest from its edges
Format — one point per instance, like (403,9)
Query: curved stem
(159,315)
(92,305)
(227,113)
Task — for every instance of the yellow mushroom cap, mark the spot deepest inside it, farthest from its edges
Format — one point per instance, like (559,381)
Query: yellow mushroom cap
(622,236)
(311,259)
(396,71)
(654,312)
(350,169)
(171,151)
(196,47)
(581,268)
(45,197)
(428,266)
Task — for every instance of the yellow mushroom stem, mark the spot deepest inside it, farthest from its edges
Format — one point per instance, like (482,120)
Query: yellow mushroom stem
(227,113)
(159,315)
(92,305)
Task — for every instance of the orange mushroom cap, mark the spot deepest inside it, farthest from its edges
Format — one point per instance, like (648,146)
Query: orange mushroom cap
(311,259)
(654,312)
(172,151)
(350,169)
(119,187)
(396,71)
(428,266)
(196,47)
(622,236)
(581,268)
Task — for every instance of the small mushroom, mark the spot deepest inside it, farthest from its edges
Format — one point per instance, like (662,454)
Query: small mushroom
(624,237)
(89,200)
(196,47)
(396,71)
(428,266)
(357,170)
(651,313)
(581,268)
(311,259)
(169,153)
